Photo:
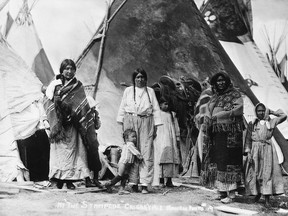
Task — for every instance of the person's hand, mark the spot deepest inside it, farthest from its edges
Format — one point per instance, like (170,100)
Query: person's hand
(140,157)
(271,112)
(46,125)
(97,124)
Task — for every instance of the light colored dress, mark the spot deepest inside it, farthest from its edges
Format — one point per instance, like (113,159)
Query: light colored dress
(68,159)
(263,173)
(139,110)
(166,154)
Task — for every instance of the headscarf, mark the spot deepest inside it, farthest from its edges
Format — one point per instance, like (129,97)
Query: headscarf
(266,118)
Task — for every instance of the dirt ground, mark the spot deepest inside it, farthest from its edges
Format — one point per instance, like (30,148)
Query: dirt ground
(179,200)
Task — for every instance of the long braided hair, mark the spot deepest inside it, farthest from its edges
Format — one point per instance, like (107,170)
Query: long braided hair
(144,74)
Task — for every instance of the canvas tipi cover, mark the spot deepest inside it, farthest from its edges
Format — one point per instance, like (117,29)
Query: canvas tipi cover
(23,37)
(164,37)
(231,22)
(20,111)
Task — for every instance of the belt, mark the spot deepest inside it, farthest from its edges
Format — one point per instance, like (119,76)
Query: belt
(261,141)
(140,115)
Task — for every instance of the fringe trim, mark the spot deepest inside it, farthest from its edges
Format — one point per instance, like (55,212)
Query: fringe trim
(234,127)
(208,177)
(229,177)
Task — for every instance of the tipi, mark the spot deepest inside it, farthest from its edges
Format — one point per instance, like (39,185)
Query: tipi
(20,112)
(163,37)
(23,38)
(231,22)
(274,46)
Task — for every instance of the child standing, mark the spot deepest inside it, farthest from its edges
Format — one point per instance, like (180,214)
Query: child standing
(263,173)
(166,154)
(127,158)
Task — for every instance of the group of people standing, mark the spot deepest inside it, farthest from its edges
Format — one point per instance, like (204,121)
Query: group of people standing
(151,135)
(73,119)
(223,145)
(156,130)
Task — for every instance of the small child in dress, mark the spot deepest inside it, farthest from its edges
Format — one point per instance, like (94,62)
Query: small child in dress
(127,158)
(166,153)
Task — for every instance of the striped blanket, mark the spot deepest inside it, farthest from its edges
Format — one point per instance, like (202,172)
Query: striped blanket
(70,106)
(203,123)
(201,107)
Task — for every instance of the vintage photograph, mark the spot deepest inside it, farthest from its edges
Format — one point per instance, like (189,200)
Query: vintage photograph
(143,107)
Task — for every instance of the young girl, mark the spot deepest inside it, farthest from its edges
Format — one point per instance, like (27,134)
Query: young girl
(263,173)
(166,155)
(127,158)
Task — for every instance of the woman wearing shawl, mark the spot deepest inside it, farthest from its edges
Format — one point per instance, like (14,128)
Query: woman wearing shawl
(263,173)
(139,110)
(74,145)
(224,153)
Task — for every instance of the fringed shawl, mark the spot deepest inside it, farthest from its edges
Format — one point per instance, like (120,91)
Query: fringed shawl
(220,160)
(227,111)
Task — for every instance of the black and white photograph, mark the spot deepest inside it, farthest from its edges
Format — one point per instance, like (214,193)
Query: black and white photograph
(143,107)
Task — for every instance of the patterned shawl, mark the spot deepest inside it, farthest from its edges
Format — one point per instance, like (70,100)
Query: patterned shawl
(230,115)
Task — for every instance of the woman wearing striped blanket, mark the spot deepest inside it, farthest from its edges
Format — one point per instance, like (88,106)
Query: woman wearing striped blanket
(74,145)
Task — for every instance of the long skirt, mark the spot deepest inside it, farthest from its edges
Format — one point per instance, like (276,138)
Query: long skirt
(222,167)
(68,159)
(163,170)
(263,173)
(168,170)
(144,127)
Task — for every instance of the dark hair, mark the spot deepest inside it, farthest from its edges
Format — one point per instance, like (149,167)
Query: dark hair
(214,78)
(139,71)
(65,63)
(127,132)
(144,74)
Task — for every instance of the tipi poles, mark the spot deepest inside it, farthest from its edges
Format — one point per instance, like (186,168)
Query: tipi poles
(99,63)
(115,12)
(96,35)
(104,30)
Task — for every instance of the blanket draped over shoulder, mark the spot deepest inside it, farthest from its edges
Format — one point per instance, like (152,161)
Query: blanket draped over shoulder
(70,106)
(222,160)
